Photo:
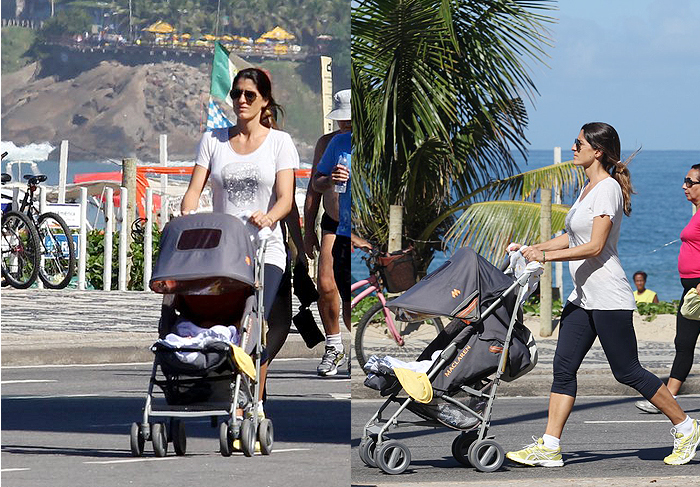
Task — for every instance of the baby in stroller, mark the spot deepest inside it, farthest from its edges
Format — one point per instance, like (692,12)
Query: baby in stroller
(209,353)
(485,337)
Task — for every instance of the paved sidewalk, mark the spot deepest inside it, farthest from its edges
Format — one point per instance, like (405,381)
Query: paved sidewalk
(68,326)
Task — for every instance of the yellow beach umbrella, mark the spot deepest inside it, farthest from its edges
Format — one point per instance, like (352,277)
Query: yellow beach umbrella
(278,34)
(160,27)
(208,37)
(185,36)
(260,40)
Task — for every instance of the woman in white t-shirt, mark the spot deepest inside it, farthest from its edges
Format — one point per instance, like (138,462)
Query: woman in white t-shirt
(601,304)
(251,167)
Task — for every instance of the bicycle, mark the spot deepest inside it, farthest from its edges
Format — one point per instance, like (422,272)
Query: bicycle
(20,247)
(56,250)
(377,332)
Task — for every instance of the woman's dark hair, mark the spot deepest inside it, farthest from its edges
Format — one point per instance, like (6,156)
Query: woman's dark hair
(603,137)
(268,116)
(640,273)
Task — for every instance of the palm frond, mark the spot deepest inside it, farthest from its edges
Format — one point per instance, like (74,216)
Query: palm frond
(490,226)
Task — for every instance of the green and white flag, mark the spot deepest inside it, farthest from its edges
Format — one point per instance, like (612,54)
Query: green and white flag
(223,70)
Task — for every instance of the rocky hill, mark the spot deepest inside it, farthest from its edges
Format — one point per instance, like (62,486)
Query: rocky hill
(116,111)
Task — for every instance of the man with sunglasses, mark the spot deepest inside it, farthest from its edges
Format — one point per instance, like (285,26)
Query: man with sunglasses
(329,172)
(687,330)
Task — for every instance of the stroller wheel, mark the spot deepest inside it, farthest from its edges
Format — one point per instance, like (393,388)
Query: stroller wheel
(460,447)
(137,440)
(367,450)
(393,457)
(486,455)
(265,436)
(248,437)
(160,440)
(177,433)
(225,440)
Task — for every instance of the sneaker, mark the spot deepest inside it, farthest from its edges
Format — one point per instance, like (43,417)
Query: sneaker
(647,407)
(536,454)
(237,446)
(332,359)
(684,447)
(259,410)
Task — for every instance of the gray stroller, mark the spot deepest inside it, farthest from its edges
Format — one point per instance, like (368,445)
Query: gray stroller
(453,382)
(207,357)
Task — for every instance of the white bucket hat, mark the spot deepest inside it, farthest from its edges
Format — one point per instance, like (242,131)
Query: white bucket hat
(341,106)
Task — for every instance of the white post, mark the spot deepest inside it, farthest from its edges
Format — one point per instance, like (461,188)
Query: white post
(62,172)
(15,198)
(395,227)
(42,209)
(326,92)
(82,239)
(148,240)
(558,266)
(163,180)
(109,228)
(123,240)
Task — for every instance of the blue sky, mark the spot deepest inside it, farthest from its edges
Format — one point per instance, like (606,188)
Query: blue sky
(632,63)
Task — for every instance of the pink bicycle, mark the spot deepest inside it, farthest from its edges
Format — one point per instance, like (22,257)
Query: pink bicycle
(377,332)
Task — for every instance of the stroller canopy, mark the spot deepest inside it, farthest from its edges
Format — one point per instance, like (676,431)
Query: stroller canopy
(459,288)
(205,253)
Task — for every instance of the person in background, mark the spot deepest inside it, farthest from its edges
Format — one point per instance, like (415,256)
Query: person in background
(642,294)
(334,169)
(687,331)
(601,304)
(328,301)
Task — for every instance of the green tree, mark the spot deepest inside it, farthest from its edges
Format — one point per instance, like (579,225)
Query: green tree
(438,89)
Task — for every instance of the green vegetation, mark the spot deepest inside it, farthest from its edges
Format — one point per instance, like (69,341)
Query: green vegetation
(16,43)
(94,266)
(532,306)
(362,307)
(437,113)
(651,310)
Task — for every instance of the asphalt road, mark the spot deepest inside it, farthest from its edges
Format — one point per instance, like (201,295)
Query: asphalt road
(69,426)
(607,441)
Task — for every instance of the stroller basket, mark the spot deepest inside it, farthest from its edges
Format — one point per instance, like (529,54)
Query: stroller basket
(398,270)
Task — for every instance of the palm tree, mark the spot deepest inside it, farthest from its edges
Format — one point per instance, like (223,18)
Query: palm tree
(438,89)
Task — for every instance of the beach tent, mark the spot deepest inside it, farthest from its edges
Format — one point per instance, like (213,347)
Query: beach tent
(160,27)
(278,34)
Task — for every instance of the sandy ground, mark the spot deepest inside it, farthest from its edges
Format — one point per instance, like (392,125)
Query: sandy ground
(660,329)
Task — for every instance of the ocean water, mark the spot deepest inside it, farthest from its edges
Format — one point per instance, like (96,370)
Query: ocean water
(649,237)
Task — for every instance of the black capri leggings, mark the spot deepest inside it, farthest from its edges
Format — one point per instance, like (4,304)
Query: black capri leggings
(578,330)
(687,332)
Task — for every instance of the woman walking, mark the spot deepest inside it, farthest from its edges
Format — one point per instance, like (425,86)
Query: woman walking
(687,331)
(251,167)
(601,303)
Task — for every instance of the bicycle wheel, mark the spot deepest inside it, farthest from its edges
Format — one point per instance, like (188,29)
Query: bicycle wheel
(372,336)
(20,250)
(57,263)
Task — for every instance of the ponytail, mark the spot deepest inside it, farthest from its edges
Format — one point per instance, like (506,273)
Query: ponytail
(621,173)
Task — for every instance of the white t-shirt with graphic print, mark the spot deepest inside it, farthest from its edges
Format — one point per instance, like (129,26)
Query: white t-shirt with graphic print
(244,183)
(599,282)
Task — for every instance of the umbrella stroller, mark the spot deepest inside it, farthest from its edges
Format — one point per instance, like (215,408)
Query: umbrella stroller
(207,357)
(485,337)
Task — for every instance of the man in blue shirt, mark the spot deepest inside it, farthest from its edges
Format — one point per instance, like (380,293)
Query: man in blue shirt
(335,168)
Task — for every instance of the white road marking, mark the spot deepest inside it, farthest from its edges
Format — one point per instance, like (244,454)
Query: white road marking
(340,395)
(26,381)
(14,470)
(629,421)
(65,366)
(51,397)
(153,459)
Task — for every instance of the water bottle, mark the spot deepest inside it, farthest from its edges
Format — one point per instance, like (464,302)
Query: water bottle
(342,187)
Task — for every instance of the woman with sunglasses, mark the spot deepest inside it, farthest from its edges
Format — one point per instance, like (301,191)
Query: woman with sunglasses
(687,330)
(251,166)
(601,304)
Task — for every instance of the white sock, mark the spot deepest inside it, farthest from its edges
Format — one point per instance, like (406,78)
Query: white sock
(334,341)
(551,442)
(685,427)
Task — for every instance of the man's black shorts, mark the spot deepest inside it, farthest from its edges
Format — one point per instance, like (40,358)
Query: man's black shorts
(328,224)
(341,266)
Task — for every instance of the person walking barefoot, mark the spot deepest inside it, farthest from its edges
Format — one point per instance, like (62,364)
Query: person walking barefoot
(601,303)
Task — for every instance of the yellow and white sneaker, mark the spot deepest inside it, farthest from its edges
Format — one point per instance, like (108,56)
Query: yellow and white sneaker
(537,455)
(684,447)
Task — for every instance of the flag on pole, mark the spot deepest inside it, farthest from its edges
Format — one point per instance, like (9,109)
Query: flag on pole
(223,70)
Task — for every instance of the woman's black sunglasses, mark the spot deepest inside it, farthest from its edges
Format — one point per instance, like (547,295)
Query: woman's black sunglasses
(250,96)
(690,183)
(577,143)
